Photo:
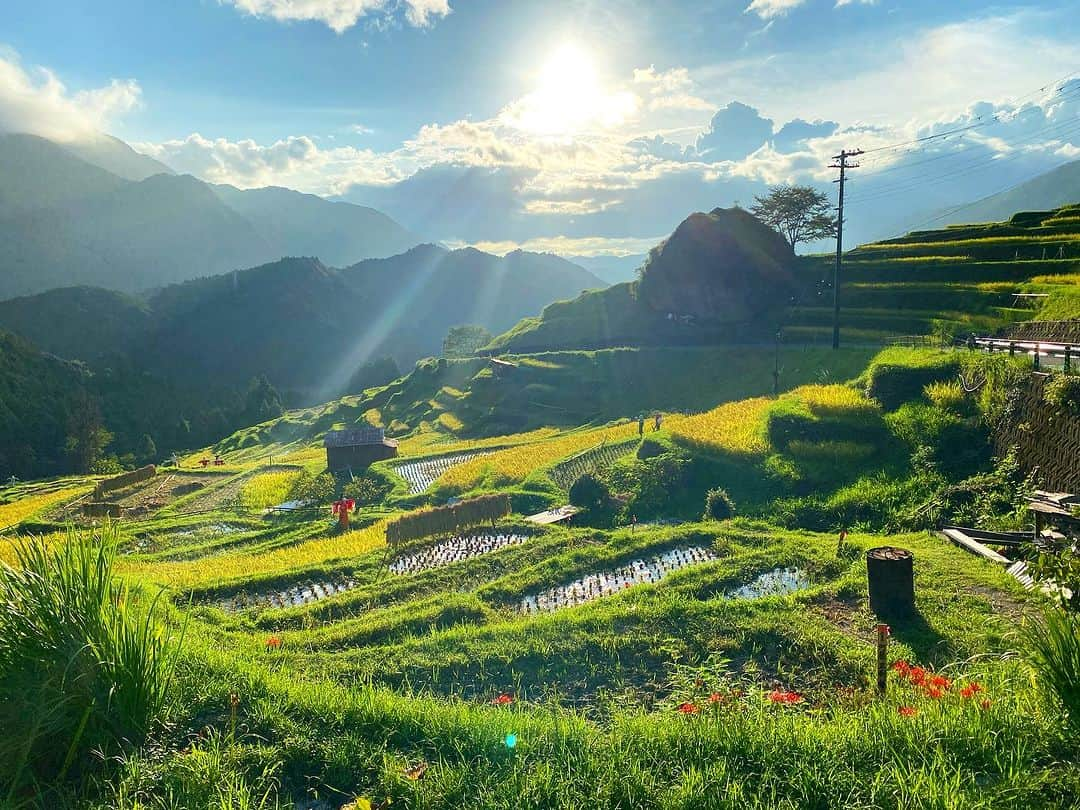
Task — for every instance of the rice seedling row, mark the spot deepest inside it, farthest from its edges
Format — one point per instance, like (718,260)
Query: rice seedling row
(422,474)
(565,473)
(295,596)
(455,550)
(608,583)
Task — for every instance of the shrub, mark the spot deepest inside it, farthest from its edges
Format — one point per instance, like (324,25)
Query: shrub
(82,669)
(718,505)
(368,489)
(589,492)
(1063,394)
(894,378)
(316,489)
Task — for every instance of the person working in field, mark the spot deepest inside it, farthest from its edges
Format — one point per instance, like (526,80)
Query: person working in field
(657,421)
(641,424)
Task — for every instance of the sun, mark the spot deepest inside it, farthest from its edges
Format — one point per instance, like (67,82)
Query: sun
(569,97)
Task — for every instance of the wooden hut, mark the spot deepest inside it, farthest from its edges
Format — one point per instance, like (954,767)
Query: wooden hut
(357,448)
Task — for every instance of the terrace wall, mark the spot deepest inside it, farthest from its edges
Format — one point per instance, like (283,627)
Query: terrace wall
(1046,442)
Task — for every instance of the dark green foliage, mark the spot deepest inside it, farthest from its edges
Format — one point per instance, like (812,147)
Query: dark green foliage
(87,437)
(368,488)
(894,384)
(957,446)
(373,374)
(82,667)
(1063,393)
(262,401)
(590,493)
(718,505)
(315,489)
(465,341)
(147,451)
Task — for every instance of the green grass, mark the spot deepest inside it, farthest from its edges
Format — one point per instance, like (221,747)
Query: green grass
(338,698)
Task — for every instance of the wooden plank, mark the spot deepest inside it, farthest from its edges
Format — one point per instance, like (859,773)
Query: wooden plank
(553,515)
(974,546)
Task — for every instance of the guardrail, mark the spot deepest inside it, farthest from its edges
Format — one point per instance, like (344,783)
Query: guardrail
(1037,349)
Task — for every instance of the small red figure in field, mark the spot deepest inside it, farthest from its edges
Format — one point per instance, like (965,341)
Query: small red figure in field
(342,508)
(204,462)
(502,700)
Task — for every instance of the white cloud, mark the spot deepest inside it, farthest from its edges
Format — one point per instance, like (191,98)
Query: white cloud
(340,15)
(295,161)
(842,3)
(670,89)
(768,9)
(38,102)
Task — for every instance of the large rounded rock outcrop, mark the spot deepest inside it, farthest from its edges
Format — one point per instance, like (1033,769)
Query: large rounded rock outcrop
(726,265)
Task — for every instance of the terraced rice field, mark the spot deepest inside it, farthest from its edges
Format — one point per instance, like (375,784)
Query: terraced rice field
(455,550)
(422,474)
(607,583)
(295,596)
(565,473)
(777,582)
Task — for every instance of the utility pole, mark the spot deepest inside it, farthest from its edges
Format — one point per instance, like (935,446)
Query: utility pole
(841,163)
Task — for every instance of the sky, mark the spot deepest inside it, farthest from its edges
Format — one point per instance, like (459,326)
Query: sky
(584,127)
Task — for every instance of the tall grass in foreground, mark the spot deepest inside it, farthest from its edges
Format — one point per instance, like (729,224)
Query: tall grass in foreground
(82,668)
(1055,654)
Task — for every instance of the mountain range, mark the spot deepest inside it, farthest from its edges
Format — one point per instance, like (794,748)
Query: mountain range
(304,325)
(126,222)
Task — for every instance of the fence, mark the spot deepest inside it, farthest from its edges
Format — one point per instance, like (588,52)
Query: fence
(448,519)
(1067,352)
(124,480)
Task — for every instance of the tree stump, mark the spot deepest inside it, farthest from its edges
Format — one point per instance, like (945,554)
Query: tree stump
(890,577)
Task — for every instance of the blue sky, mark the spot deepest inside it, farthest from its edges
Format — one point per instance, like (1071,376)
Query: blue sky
(575,125)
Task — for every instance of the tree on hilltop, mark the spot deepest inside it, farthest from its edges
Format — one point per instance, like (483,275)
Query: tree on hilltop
(797,213)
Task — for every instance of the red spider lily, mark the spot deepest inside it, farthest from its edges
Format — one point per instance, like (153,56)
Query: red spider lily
(970,690)
(917,675)
(688,708)
(780,696)
(935,692)
(902,668)
(273,643)
(715,698)
(907,711)
(940,682)
(502,700)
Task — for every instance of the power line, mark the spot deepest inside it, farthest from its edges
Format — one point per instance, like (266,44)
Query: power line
(1056,131)
(981,120)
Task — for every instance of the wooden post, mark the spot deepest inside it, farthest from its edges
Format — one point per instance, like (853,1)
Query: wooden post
(1036,356)
(890,576)
(882,658)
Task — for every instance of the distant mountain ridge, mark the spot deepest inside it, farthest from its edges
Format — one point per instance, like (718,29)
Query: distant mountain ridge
(1054,189)
(66,221)
(307,326)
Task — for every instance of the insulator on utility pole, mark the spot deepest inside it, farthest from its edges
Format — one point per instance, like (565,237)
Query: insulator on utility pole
(843,165)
